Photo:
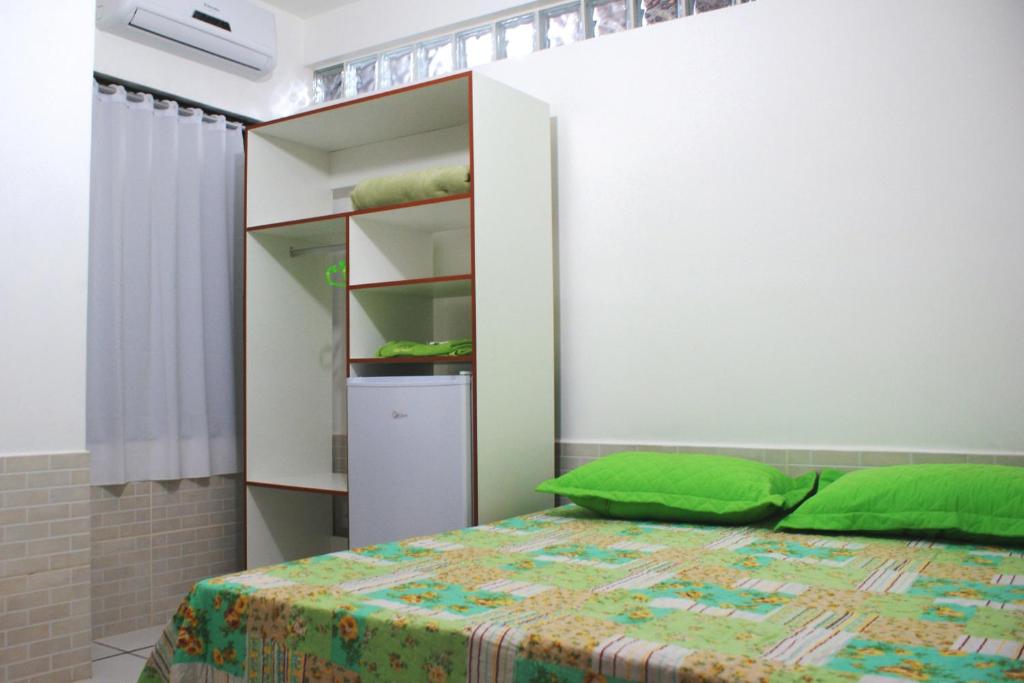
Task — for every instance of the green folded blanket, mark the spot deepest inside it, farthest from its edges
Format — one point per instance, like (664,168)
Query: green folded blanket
(455,347)
(410,187)
(461,347)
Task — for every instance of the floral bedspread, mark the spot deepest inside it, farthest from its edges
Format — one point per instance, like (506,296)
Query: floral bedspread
(565,596)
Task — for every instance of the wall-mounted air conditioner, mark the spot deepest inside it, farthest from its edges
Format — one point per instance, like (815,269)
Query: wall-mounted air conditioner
(232,34)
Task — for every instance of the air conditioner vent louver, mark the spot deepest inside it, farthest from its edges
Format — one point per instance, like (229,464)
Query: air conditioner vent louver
(213,21)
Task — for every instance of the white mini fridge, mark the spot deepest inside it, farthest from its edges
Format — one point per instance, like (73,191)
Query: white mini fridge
(409,456)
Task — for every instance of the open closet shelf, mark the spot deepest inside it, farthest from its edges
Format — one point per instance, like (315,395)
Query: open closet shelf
(423,288)
(443,103)
(415,359)
(430,220)
(472,266)
(408,218)
(429,215)
(328,482)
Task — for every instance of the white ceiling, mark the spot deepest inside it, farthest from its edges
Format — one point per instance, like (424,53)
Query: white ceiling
(308,8)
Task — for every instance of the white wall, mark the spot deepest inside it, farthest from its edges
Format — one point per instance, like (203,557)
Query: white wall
(786,223)
(793,224)
(45,129)
(282,93)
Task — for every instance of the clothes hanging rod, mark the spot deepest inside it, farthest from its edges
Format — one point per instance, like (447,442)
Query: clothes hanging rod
(293,252)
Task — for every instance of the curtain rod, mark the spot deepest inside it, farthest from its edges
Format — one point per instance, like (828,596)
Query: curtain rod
(107,80)
(293,251)
(165,104)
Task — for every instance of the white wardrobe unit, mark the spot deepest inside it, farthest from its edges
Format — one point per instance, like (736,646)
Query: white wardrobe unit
(476,265)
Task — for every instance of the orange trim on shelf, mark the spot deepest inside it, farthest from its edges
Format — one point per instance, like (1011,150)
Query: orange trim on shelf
(289,487)
(245,349)
(360,212)
(414,281)
(406,205)
(475,386)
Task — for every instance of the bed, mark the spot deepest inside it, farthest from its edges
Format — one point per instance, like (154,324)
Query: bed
(564,595)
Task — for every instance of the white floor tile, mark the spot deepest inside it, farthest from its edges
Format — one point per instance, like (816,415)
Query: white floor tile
(101,651)
(120,669)
(135,640)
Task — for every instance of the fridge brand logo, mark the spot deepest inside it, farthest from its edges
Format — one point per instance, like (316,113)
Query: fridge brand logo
(397,415)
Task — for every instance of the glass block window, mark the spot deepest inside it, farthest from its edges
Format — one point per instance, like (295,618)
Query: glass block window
(709,5)
(397,68)
(655,11)
(516,36)
(561,25)
(606,16)
(436,58)
(329,84)
(550,23)
(361,77)
(475,47)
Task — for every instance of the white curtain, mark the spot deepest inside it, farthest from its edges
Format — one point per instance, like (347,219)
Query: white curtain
(164,288)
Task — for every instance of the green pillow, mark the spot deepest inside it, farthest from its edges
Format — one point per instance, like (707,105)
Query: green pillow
(956,501)
(681,487)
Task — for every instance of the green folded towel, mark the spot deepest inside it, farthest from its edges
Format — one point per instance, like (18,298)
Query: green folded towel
(410,187)
(455,347)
